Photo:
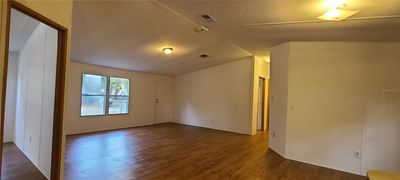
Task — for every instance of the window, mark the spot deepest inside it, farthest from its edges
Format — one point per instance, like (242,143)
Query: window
(93,95)
(118,101)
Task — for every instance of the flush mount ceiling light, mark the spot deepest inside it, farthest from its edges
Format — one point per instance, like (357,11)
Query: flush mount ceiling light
(337,14)
(336,11)
(168,50)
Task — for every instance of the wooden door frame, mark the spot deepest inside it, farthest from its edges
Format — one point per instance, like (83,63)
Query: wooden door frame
(59,84)
(263,103)
(268,96)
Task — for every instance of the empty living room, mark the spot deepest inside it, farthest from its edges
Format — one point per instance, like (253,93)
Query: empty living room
(200,89)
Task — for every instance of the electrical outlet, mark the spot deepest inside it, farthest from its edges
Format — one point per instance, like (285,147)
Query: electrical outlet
(357,154)
(212,120)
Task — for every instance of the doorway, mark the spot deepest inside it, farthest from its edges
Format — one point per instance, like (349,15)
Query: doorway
(261,119)
(32,95)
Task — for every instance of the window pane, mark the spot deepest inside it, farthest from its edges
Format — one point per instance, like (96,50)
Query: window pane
(119,86)
(118,105)
(94,84)
(93,105)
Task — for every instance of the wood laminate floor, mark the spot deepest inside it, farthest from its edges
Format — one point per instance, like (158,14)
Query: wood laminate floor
(16,166)
(173,151)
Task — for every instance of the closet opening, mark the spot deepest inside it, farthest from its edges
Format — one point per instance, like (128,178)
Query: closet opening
(32,95)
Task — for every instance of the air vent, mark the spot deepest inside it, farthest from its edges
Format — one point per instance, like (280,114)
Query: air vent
(204,56)
(208,18)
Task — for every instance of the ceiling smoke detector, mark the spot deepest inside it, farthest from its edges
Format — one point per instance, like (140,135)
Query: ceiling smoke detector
(201,29)
(204,56)
(208,18)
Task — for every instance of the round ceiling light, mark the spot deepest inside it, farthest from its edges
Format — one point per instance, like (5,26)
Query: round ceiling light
(168,50)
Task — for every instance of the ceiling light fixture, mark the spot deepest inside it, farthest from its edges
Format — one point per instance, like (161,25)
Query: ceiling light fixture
(168,50)
(337,14)
(336,11)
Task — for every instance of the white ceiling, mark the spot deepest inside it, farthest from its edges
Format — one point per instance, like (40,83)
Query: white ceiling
(130,34)
(258,25)
(21,28)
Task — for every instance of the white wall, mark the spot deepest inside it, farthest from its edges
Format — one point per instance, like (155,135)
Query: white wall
(381,127)
(342,97)
(325,104)
(48,97)
(219,97)
(35,96)
(11,97)
(143,110)
(278,98)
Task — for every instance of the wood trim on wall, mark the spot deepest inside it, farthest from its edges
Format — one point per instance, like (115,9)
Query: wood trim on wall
(57,140)
(268,104)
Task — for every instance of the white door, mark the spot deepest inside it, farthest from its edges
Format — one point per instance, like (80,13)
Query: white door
(163,101)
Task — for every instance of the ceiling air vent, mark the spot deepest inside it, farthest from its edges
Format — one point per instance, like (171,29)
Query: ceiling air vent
(208,18)
(204,56)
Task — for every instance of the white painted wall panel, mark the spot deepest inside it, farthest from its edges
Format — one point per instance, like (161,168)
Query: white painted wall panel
(11,98)
(325,104)
(278,98)
(218,97)
(49,79)
(35,49)
(22,90)
(342,97)
(381,130)
(35,100)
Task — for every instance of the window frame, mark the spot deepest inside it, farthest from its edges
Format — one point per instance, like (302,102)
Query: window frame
(81,94)
(108,95)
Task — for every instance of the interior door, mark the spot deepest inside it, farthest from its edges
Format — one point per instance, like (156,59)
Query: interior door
(163,101)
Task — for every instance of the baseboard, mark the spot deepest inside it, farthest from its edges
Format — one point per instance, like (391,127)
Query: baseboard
(206,127)
(113,129)
(277,152)
(325,166)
